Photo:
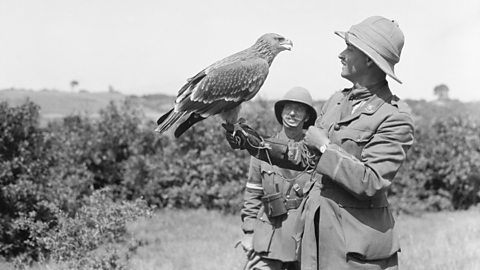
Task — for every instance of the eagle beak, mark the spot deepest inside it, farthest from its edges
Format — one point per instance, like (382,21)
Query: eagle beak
(287,44)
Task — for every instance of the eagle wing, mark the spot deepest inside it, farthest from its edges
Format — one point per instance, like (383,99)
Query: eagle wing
(224,85)
(220,88)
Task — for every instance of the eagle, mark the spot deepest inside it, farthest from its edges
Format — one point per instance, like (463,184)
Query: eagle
(221,88)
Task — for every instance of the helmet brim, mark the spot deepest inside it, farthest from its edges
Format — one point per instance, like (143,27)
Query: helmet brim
(311,112)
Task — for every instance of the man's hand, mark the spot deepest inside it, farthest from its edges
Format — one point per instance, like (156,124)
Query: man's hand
(241,136)
(316,137)
(247,244)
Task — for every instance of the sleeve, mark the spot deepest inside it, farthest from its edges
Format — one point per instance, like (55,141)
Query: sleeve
(381,158)
(252,196)
(322,111)
(288,155)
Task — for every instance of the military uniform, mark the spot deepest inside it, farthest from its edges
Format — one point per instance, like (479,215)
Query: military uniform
(348,223)
(274,237)
(363,136)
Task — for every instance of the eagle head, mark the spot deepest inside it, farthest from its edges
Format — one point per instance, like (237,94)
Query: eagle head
(271,44)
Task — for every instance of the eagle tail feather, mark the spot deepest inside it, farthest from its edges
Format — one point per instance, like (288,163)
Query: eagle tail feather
(167,120)
(192,119)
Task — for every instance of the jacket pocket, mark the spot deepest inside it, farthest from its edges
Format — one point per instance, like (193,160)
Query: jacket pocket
(354,140)
(263,232)
(369,233)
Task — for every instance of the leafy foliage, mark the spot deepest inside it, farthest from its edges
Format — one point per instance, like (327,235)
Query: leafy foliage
(82,179)
(47,185)
(443,167)
(24,164)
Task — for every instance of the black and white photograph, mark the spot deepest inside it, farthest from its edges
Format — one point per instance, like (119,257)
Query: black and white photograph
(242,135)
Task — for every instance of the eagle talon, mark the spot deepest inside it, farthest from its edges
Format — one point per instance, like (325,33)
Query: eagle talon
(228,127)
(241,120)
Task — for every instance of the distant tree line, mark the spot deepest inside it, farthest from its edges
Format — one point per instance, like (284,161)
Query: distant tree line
(88,177)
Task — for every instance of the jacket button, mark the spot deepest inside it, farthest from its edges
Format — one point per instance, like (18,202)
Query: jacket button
(336,127)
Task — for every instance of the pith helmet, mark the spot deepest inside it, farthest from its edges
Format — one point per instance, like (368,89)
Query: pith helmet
(380,39)
(300,95)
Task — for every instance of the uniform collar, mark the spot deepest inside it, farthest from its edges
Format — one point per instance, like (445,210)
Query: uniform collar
(379,94)
(365,92)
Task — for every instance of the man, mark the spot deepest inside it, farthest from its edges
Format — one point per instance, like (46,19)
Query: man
(273,194)
(360,141)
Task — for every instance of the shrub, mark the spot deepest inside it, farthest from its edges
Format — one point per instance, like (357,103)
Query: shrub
(80,178)
(89,240)
(46,181)
(24,166)
(442,171)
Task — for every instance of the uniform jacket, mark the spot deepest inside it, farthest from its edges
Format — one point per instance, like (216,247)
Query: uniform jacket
(348,209)
(276,237)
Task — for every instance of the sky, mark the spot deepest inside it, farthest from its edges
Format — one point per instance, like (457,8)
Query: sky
(150,46)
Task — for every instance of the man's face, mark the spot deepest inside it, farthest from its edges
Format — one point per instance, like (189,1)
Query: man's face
(354,63)
(294,114)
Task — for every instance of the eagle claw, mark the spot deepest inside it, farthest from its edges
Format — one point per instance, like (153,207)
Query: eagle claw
(229,127)
(241,121)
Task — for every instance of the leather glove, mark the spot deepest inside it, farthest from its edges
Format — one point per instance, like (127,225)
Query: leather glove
(241,136)
(277,151)
(291,155)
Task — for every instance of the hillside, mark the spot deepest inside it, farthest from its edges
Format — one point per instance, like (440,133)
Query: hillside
(56,104)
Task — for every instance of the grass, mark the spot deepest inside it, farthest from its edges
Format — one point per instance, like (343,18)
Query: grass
(201,239)
(441,241)
(204,240)
(188,239)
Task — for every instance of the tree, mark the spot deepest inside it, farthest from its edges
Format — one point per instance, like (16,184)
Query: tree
(73,84)
(441,91)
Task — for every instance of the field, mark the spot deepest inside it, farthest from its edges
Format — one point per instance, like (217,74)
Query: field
(200,239)
(57,104)
(204,240)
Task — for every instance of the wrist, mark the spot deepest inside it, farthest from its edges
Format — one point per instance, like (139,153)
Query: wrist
(322,148)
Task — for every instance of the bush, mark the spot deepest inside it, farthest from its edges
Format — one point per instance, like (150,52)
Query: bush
(442,171)
(25,160)
(46,181)
(89,240)
(80,178)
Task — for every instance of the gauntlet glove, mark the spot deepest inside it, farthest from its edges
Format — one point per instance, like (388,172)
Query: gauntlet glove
(241,136)
(280,152)
(291,155)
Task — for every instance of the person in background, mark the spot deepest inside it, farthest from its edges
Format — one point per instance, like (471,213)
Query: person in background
(357,145)
(273,195)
